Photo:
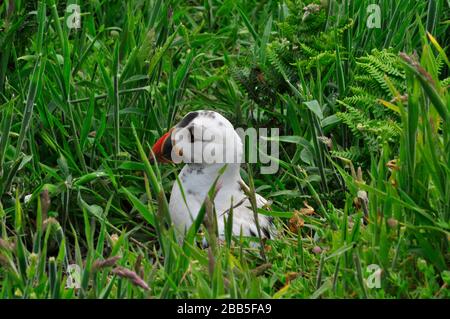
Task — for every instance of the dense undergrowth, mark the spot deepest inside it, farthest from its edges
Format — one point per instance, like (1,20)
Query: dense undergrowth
(363,189)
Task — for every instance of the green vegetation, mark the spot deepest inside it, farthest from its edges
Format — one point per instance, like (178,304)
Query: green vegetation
(364,177)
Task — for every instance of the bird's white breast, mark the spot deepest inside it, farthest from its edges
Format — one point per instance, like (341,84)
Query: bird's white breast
(196,181)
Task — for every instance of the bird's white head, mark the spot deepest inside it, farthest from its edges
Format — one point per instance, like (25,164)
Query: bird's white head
(203,137)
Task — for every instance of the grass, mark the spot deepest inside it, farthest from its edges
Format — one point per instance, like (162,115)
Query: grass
(80,109)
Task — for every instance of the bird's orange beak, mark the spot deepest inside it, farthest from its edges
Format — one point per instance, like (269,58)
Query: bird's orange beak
(163,149)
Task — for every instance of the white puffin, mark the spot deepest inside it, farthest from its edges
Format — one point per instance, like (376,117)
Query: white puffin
(205,141)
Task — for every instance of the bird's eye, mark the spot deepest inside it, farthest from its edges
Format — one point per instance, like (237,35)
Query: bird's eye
(191,133)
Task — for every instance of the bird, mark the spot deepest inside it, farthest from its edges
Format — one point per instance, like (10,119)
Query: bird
(206,143)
